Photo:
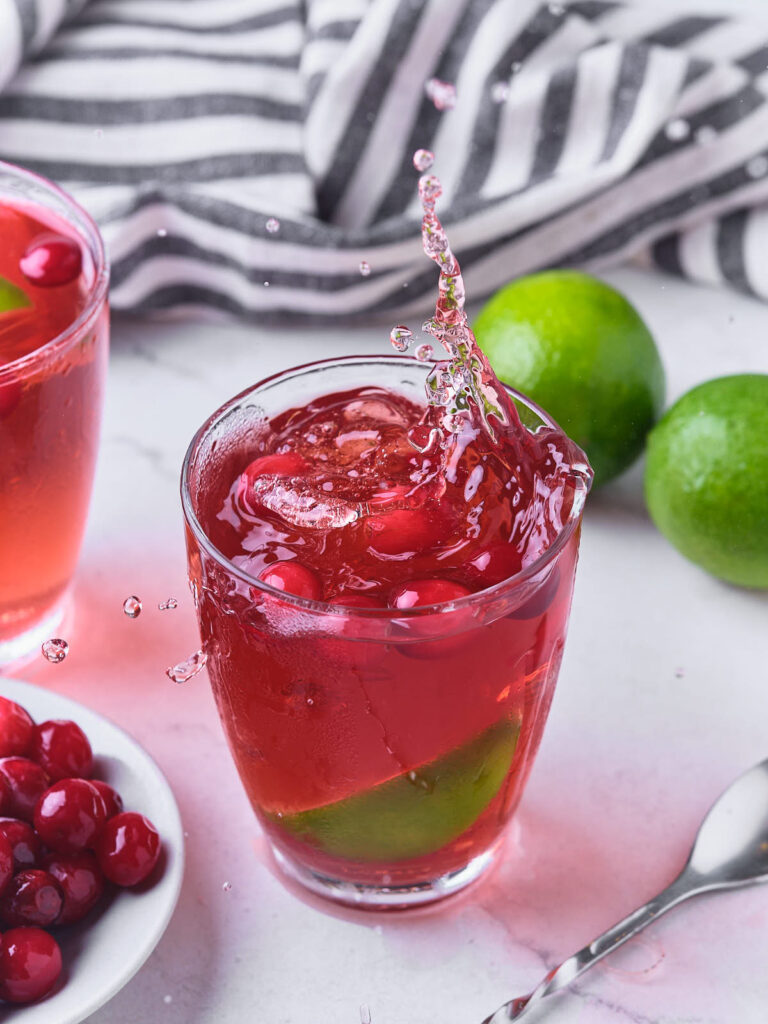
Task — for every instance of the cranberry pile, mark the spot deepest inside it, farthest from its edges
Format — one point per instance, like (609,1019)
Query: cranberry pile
(63,838)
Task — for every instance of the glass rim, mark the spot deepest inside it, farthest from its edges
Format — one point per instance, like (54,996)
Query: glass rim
(21,366)
(325,607)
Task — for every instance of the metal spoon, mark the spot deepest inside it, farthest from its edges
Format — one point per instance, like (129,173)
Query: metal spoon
(730,850)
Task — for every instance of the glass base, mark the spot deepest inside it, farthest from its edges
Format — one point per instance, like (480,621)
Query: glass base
(19,650)
(373,897)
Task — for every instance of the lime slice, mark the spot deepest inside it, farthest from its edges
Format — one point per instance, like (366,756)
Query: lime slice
(417,812)
(11,296)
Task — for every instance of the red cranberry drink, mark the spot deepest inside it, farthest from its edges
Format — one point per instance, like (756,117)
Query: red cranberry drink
(53,349)
(383,586)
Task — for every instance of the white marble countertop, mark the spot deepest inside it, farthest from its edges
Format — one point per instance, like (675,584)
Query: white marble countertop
(661,703)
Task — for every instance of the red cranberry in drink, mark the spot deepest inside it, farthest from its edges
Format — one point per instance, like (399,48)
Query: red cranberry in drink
(417,593)
(424,592)
(287,464)
(70,815)
(128,849)
(80,880)
(495,563)
(62,749)
(113,802)
(5,795)
(24,842)
(6,862)
(405,531)
(10,396)
(52,260)
(30,964)
(27,781)
(293,578)
(15,723)
(32,898)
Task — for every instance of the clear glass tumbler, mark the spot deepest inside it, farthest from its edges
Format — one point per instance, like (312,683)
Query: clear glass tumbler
(383,751)
(50,412)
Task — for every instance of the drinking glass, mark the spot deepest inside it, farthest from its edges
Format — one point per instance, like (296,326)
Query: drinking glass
(383,750)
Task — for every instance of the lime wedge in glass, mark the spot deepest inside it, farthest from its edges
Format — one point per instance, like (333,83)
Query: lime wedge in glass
(415,813)
(12,297)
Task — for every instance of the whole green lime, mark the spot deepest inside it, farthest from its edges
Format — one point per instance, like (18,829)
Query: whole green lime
(580,350)
(706,477)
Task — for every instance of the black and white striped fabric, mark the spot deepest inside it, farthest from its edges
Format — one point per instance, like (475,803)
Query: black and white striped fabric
(621,131)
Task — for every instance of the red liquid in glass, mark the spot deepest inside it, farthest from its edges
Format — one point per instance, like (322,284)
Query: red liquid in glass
(50,407)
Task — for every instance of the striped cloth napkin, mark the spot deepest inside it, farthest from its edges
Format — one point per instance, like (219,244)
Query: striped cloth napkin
(255,156)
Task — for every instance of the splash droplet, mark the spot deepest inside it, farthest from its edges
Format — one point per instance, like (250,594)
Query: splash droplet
(757,167)
(227,887)
(55,650)
(162,232)
(273,225)
(424,353)
(365,268)
(400,337)
(168,605)
(423,159)
(365,1014)
(266,284)
(132,606)
(500,92)
(187,669)
(677,130)
(442,94)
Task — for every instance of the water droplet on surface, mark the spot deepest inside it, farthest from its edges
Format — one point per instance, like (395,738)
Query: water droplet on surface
(187,669)
(365,268)
(423,159)
(757,167)
(365,1014)
(424,353)
(401,338)
(168,605)
(500,92)
(442,94)
(272,225)
(677,130)
(55,650)
(227,887)
(162,232)
(132,607)
(705,134)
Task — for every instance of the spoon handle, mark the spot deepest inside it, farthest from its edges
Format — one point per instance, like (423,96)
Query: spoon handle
(568,971)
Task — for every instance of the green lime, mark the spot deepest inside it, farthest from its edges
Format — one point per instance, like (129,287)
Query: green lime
(706,478)
(11,296)
(416,813)
(580,350)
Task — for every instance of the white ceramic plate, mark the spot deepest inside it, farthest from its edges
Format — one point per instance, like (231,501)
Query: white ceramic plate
(103,953)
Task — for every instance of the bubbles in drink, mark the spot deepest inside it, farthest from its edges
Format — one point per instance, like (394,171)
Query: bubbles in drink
(757,167)
(168,605)
(401,338)
(187,669)
(423,159)
(365,268)
(500,92)
(273,225)
(677,130)
(424,352)
(55,650)
(442,94)
(132,607)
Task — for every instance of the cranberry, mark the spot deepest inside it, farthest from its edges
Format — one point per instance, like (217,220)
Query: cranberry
(62,749)
(30,964)
(405,530)
(10,396)
(6,862)
(128,849)
(293,578)
(28,781)
(5,794)
(424,592)
(80,880)
(113,802)
(70,815)
(541,599)
(15,724)
(286,464)
(52,260)
(495,563)
(455,625)
(24,842)
(32,898)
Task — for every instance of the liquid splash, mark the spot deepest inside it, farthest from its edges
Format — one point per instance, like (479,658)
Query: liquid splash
(55,650)
(227,887)
(168,605)
(365,268)
(442,94)
(187,669)
(423,160)
(272,225)
(401,338)
(132,606)
(365,1014)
